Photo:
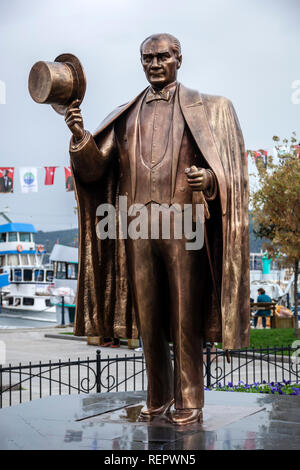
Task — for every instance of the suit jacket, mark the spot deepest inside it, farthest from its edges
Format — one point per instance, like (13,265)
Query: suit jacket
(134,180)
(104,304)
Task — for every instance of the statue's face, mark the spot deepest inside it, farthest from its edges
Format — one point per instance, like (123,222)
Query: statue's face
(159,62)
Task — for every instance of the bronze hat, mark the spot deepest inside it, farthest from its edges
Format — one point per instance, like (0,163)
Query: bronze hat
(58,83)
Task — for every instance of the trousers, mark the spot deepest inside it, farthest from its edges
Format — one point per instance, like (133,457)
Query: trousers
(168,283)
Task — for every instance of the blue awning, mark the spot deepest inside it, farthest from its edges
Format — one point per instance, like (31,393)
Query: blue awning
(4,281)
(17,228)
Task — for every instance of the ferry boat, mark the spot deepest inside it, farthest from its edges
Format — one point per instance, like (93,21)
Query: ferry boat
(63,293)
(22,262)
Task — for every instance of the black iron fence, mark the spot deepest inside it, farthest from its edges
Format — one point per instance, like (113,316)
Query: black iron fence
(24,383)
(252,365)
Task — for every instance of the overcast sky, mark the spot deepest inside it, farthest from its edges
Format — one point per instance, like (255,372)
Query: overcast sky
(246,50)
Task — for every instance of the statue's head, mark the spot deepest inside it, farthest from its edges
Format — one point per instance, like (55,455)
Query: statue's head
(161,58)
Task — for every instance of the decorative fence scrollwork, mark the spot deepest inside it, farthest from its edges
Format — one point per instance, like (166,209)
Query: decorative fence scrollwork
(128,373)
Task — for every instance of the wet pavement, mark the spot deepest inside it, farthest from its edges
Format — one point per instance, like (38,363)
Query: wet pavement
(110,422)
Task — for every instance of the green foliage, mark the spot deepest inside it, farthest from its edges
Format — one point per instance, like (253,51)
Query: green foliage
(274,337)
(276,205)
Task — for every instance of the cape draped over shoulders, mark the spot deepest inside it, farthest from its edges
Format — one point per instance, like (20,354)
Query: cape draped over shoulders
(104,305)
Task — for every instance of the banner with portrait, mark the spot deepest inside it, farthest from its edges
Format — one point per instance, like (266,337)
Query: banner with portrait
(69,179)
(7,179)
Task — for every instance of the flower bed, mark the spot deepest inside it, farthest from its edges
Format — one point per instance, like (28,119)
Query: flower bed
(276,388)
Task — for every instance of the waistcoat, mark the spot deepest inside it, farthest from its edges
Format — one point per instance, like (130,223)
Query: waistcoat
(154,181)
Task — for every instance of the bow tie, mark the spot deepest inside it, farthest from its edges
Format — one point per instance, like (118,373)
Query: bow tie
(159,95)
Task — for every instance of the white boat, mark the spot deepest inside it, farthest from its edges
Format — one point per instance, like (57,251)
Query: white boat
(22,261)
(63,293)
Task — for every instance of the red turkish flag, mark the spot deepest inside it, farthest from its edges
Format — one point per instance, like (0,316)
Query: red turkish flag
(49,177)
(69,179)
(7,179)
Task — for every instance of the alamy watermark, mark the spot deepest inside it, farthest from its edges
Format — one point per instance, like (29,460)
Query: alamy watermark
(2,92)
(153,221)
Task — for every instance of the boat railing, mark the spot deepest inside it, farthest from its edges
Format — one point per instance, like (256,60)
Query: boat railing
(18,277)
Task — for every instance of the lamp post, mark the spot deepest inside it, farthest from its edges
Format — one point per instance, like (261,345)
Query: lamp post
(62,310)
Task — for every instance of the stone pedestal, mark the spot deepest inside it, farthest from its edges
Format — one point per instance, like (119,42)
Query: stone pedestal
(108,421)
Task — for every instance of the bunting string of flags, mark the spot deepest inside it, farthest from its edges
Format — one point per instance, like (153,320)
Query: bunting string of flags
(260,156)
(29,178)
(49,176)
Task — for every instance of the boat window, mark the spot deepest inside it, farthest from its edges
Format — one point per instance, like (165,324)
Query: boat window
(48,303)
(24,237)
(10,300)
(2,237)
(27,275)
(72,271)
(2,260)
(17,275)
(61,270)
(255,262)
(12,236)
(49,275)
(12,260)
(38,275)
(32,259)
(39,259)
(28,301)
(17,301)
(24,259)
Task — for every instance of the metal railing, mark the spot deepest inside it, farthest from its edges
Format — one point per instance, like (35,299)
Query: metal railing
(22,383)
(252,365)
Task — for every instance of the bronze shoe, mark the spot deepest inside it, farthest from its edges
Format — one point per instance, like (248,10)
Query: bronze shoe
(147,414)
(187,416)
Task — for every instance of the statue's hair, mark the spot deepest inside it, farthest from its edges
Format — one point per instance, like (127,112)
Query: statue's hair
(175,44)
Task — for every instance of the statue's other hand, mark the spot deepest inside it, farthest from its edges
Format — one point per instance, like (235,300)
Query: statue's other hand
(74,120)
(198,178)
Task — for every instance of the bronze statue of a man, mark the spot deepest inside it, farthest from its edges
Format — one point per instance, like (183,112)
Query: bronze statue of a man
(141,151)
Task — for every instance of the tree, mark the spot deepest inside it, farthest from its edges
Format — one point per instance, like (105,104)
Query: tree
(276,206)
